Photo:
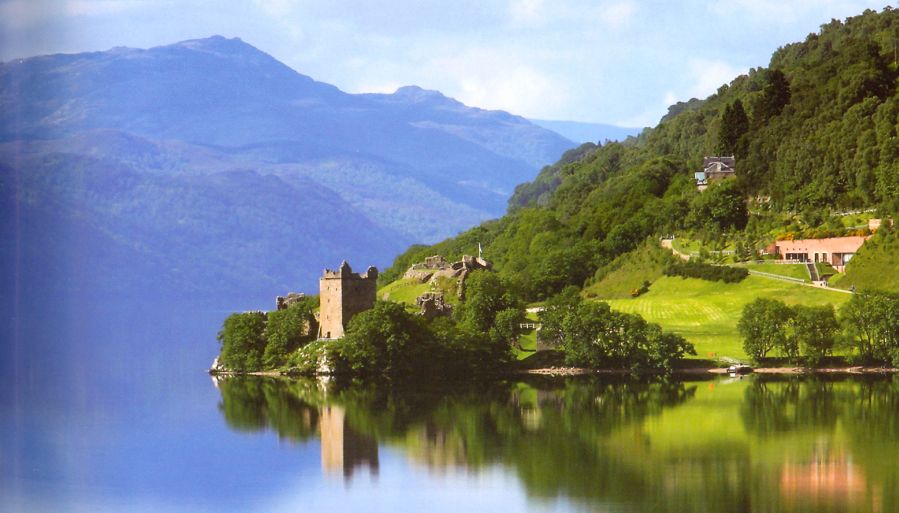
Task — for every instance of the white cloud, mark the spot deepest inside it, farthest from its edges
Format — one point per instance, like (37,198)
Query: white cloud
(511,78)
(25,13)
(706,77)
(709,75)
(651,115)
(277,8)
(670,98)
(22,13)
(101,7)
(526,12)
(494,79)
(618,14)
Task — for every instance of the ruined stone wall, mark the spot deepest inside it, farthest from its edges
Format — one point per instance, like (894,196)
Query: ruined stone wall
(432,304)
(284,302)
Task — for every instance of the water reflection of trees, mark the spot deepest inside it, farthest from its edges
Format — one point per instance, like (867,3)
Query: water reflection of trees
(771,407)
(553,434)
(868,407)
(254,404)
(588,439)
(831,471)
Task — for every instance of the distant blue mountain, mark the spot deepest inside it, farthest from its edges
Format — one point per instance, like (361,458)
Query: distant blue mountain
(580,132)
(208,166)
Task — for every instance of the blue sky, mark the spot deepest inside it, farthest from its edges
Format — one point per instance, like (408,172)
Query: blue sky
(618,61)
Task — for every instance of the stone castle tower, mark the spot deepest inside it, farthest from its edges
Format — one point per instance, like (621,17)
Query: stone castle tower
(343,294)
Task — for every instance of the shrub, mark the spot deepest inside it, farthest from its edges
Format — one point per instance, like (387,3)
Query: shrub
(708,272)
(596,336)
(308,359)
(386,340)
(286,330)
(243,341)
(642,290)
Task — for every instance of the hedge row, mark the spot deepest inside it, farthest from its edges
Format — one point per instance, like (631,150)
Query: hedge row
(708,272)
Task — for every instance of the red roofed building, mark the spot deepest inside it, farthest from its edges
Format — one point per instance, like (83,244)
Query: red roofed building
(836,251)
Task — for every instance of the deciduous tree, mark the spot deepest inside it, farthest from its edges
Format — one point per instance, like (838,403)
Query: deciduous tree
(287,330)
(814,331)
(243,341)
(763,326)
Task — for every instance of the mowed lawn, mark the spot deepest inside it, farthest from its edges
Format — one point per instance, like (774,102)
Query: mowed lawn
(706,313)
(797,271)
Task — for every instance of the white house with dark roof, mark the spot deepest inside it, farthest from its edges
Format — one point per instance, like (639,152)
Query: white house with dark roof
(715,169)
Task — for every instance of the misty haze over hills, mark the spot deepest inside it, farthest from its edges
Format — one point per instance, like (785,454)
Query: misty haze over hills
(208,167)
(581,132)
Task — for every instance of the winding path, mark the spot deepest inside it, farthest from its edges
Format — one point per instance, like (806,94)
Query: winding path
(667,244)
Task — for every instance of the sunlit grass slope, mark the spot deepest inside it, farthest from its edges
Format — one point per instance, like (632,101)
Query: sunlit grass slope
(706,313)
(875,266)
(404,290)
(798,271)
(628,272)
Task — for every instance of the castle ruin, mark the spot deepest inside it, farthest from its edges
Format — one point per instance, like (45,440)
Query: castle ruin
(284,302)
(343,294)
(436,267)
(432,304)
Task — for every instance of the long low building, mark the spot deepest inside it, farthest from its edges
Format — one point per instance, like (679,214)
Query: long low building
(836,251)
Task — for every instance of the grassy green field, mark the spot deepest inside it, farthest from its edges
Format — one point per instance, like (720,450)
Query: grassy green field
(403,290)
(628,272)
(687,246)
(528,341)
(798,271)
(706,313)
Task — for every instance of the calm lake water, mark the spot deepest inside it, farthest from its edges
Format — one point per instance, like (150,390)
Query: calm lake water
(164,436)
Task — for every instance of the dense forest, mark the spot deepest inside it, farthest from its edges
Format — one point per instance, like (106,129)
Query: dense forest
(814,133)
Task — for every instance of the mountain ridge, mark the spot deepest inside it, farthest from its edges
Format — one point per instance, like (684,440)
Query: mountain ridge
(411,166)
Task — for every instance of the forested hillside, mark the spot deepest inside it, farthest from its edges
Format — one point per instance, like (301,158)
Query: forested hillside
(813,133)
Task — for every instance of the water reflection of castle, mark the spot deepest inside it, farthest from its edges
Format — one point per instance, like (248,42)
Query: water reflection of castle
(344,449)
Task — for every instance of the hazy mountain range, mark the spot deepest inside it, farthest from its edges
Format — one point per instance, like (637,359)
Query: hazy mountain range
(208,166)
(581,132)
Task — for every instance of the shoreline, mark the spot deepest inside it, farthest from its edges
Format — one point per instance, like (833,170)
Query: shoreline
(215,372)
(579,371)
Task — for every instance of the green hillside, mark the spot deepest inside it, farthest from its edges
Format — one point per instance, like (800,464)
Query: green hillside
(815,141)
(814,135)
(875,266)
(706,312)
(628,272)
